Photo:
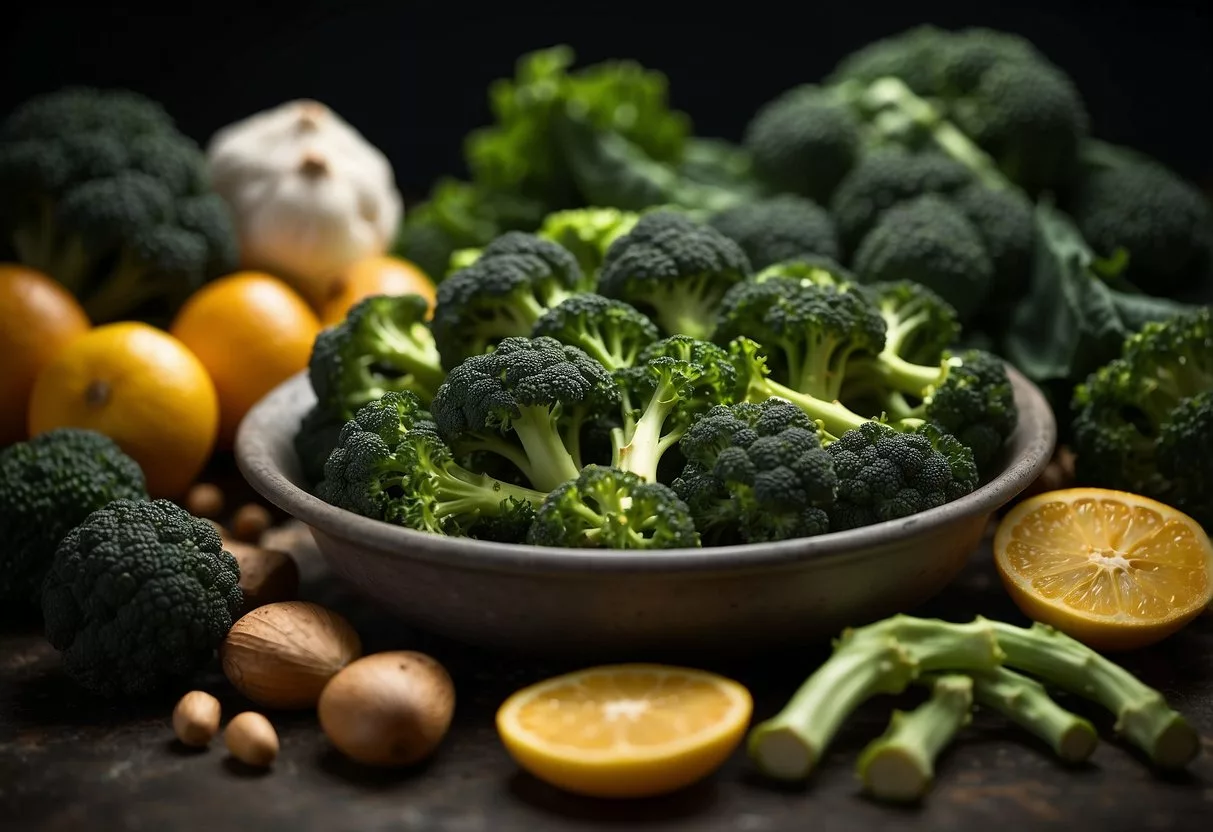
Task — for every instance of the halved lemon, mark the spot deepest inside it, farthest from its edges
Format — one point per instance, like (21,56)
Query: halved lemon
(1116,571)
(625,730)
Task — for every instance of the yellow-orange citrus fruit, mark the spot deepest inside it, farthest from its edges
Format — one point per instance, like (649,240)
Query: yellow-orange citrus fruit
(252,332)
(383,275)
(142,388)
(38,317)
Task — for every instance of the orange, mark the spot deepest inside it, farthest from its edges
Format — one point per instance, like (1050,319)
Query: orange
(375,276)
(252,332)
(38,317)
(142,388)
(625,730)
(1114,570)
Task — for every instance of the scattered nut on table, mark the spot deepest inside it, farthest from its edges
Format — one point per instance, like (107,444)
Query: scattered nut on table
(204,500)
(251,739)
(196,719)
(250,522)
(266,575)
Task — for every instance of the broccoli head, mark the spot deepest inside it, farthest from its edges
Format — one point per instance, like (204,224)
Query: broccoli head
(527,401)
(920,325)
(912,55)
(756,472)
(516,278)
(810,270)
(139,596)
(103,194)
(587,233)
(603,508)
(1145,417)
(612,332)
(315,440)
(779,228)
(382,345)
(675,268)
(47,486)
(1004,220)
(884,474)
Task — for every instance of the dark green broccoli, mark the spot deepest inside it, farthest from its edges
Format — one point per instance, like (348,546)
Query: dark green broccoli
(674,381)
(47,486)
(587,233)
(390,464)
(675,267)
(811,331)
(139,596)
(603,508)
(929,241)
(612,332)
(1143,421)
(1122,201)
(885,475)
(382,345)
(314,441)
(779,228)
(527,401)
(756,472)
(516,278)
(103,194)
(912,55)
(1003,219)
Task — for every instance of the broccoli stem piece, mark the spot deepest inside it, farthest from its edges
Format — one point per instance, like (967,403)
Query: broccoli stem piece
(550,461)
(899,767)
(1142,714)
(834,418)
(639,446)
(688,310)
(417,357)
(466,493)
(1025,702)
(880,658)
(818,366)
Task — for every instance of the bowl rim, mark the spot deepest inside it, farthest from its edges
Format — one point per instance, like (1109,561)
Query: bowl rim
(1033,444)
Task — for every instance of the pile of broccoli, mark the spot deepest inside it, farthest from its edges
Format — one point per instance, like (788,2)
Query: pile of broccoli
(104,194)
(634,382)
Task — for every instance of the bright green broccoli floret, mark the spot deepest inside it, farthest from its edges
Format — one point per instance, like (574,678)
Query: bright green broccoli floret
(527,401)
(613,332)
(1143,420)
(779,228)
(885,475)
(675,267)
(811,331)
(929,241)
(515,280)
(603,508)
(587,233)
(139,596)
(390,464)
(103,194)
(382,345)
(47,486)
(810,270)
(756,472)
(919,324)
(673,382)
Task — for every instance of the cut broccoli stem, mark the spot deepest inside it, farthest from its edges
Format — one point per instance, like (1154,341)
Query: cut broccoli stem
(906,377)
(501,447)
(816,368)
(1025,702)
(550,461)
(834,418)
(1142,714)
(687,309)
(464,492)
(639,446)
(899,767)
(880,658)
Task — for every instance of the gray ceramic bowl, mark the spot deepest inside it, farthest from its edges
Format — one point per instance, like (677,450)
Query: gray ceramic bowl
(589,602)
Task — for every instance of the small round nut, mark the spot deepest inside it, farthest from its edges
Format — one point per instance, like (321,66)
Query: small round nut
(250,522)
(204,500)
(251,739)
(196,719)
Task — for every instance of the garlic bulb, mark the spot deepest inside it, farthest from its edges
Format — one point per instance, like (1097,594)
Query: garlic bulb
(309,193)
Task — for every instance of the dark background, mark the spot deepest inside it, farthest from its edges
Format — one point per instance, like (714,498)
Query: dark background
(412,76)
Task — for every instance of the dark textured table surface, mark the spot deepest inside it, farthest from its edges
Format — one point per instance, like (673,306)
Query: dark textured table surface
(68,762)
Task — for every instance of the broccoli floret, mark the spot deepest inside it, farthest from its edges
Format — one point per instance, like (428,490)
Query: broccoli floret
(810,270)
(674,381)
(516,278)
(47,486)
(884,474)
(804,141)
(1142,420)
(391,465)
(587,233)
(779,228)
(1004,220)
(612,332)
(758,471)
(912,55)
(382,345)
(675,267)
(139,596)
(812,331)
(604,508)
(315,440)
(929,241)
(527,401)
(103,194)
(919,324)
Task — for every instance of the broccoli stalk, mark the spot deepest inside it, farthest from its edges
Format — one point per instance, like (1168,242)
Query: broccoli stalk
(612,332)
(899,766)
(881,658)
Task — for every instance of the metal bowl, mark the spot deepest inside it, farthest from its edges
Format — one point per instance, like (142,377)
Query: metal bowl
(591,602)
